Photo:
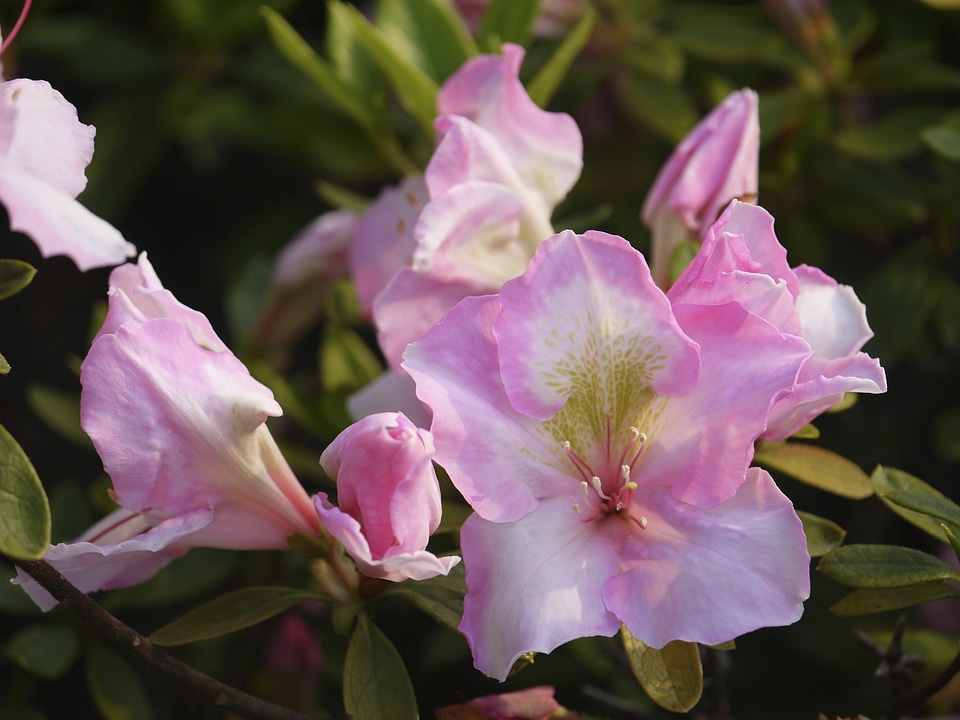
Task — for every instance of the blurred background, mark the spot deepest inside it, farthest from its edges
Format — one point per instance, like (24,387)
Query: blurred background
(212,151)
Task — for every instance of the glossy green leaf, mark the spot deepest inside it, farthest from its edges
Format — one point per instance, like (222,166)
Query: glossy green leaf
(45,649)
(231,612)
(672,676)
(440,597)
(115,685)
(892,138)
(507,21)
(415,89)
(883,566)
(431,33)
(60,410)
(4,366)
(874,600)
(815,466)
(943,139)
(15,275)
(915,501)
(822,535)
(299,54)
(375,682)
(24,510)
(548,79)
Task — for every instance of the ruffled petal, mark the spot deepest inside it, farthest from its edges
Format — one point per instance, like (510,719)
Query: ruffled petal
(709,576)
(535,583)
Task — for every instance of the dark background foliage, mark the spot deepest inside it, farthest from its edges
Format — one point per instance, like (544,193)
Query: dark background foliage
(209,149)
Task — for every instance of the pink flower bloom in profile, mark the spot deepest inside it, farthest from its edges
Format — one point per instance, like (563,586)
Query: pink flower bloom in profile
(44,150)
(179,424)
(717,162)
(500,168)
(388,497)
(741,249)
(536,703)
(603,436)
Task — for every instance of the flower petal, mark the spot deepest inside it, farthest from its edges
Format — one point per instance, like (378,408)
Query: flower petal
(708,576)
(49,143)
(492,453)
(121,563)
(413,565)
(546,147)
(58,224)
(535,583)
(586,318)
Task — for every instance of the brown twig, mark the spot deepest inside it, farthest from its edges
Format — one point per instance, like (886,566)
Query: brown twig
(147,654)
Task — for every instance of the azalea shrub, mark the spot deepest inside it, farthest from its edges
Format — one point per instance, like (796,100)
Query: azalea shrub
(490,359)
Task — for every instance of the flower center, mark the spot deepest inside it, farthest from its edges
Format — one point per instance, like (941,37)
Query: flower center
(611,492)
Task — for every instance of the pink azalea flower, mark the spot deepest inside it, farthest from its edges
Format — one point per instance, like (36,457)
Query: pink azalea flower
(383,244)
(388,496)
(717,162)
(603,437)
(44,150)
(180,426)
(536,703)
(500,168)
(740,250)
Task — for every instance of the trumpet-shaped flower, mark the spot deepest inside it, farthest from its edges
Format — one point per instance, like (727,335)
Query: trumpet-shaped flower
(603,435)
(741,250)
(500,168)
(179,424)
(388,496)
(717,162)
(44,150)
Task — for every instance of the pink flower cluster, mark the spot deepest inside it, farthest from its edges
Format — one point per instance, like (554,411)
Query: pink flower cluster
(599,421)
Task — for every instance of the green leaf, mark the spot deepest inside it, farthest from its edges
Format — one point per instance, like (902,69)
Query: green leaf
(849,400)
(682,255)
(915,501)
(440,597)
(507,21)
(428,32)
(883,566)
(60,411)
(375,682)
(44,649)
(24,510)
(671,676)
(15,275)
(299,54)
(116,687)
(546,82)
(952,539)
(4,366)
(874,600)
(415,89)
(942,4)
(351,62)
(822,535)
(664,108)
(815,466)
(943,139)
(229,613)
(894,137)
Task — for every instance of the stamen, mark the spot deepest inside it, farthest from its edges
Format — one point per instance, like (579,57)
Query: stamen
(578,462)
(642,522)
(595,481)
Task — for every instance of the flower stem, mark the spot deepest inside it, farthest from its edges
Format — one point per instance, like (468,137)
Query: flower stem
(147,654)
